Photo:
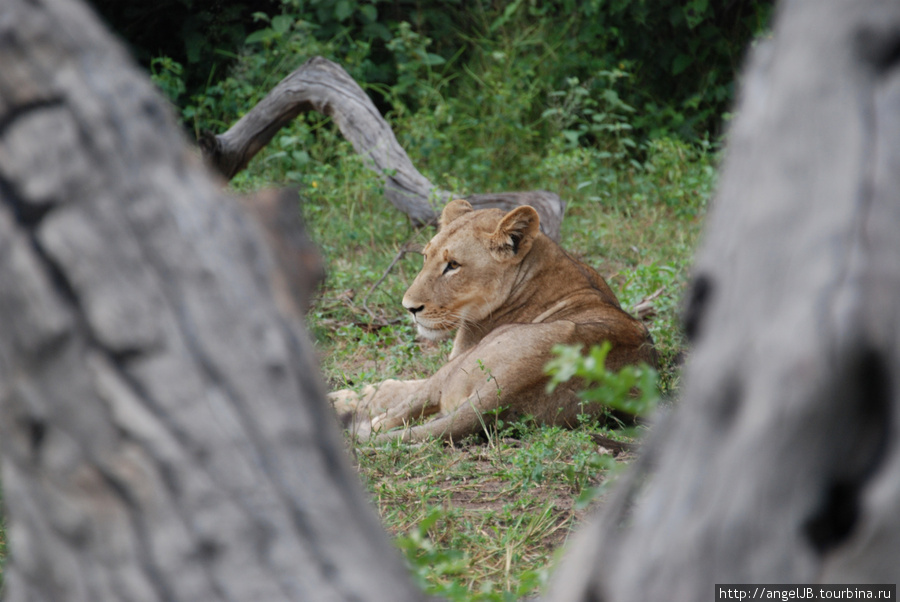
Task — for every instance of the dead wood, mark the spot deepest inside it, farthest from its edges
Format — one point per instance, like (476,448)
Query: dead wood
(300,269)
(615,447)
(325,87)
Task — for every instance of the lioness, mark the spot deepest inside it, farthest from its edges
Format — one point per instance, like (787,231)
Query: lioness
(511,293)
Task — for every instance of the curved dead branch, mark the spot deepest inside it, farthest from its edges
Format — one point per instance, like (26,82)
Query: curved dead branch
(325,87)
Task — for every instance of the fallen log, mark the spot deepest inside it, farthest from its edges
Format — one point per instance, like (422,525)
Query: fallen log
(324,86)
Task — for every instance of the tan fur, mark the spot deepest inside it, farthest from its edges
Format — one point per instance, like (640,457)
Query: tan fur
(510,293)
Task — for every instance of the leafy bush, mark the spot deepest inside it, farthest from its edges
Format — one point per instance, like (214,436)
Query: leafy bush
(632,389)
(668,65)
(682,54)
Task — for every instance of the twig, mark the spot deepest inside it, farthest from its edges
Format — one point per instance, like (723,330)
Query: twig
(616,447)
(645,308)
(407,248)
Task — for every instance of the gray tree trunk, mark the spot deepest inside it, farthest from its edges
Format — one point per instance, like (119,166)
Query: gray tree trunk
(163,430)
(324,86)
(781,463)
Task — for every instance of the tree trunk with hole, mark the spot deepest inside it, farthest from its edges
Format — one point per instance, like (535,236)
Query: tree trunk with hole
(163,429)
(781,463)
(324,86)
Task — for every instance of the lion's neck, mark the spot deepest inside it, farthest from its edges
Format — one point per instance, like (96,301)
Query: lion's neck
(549,285)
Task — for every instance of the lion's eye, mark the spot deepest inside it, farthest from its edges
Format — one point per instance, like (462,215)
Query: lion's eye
(451,265)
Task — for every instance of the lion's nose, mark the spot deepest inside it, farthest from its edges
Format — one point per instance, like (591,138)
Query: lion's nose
(413,309)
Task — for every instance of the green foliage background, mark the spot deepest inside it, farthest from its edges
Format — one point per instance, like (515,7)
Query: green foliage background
(680,55)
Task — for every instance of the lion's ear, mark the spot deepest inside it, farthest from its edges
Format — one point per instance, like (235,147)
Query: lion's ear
(453,210)
(515,233)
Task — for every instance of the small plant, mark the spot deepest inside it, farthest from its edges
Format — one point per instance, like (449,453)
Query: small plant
(632,389)
(415,64)
(593,114)
(494,424)
(168,75)
(430,564)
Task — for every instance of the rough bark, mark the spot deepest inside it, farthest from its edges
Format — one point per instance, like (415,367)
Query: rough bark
(781,463)
(324,86)
(164,435)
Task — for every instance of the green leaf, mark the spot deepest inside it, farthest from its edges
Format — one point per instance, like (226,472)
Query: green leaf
(343,9)
(260,35)
(563,366)
(695,12)
(681,62)
(433,59)
(282,23)
(572,136)
(369,12)
(507,13)
(632,389)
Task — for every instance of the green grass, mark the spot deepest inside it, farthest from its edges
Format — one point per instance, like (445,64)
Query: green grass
(483,520)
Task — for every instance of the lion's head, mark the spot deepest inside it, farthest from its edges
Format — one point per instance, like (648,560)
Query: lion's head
(470,266)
